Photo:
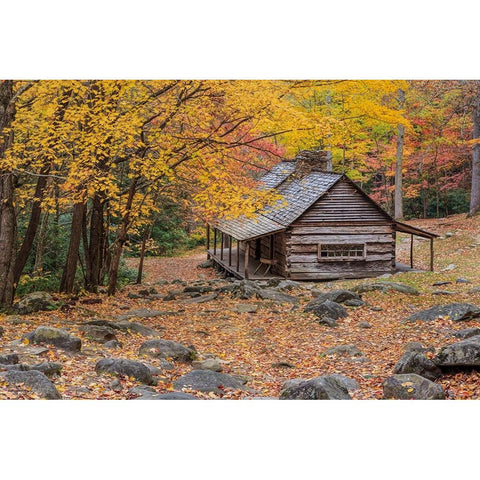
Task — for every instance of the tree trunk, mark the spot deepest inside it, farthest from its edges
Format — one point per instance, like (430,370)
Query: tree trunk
(475,192)
(399,162)
(68,277)
(42,235)
(7,209)
(95,246)
(121,239)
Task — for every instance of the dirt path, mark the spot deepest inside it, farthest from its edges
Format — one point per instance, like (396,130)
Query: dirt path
(171,268)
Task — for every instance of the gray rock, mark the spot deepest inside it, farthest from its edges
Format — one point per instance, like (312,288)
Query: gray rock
(440,284)
(151,394)
(288,285)
(466,333)
(344,350)
(49,369)
(135,327)
(465,353)
(116,385)
(206,264)
(411,386)
(246,308)
(34,302)
(129,368)
(274,295)
(113,344)
(337,296)
(448,268)
(208,381)
(448,235)
(474,290)
(328,387)
(329,322)
(33,379)
(443,292)
(461,280)
(364,325)
(354,303)
(416,362)
(385,287)
(243,289)
(9,359)
(208,364)
(100,334)
(56,337)
(414,347)
(283,364)
(327,309)
(454,311)
(201,299)
(198,289)
(167,349)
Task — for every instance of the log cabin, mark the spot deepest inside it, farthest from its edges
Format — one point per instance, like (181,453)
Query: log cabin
(325,227)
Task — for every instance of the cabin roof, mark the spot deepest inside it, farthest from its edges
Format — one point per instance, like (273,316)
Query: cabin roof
(298,195)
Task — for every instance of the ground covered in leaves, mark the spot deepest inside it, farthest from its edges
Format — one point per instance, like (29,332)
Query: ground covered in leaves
(276,343)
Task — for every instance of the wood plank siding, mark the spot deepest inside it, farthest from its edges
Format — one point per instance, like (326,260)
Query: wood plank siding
(344,215)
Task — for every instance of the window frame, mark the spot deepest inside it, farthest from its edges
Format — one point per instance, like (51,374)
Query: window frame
(342,258)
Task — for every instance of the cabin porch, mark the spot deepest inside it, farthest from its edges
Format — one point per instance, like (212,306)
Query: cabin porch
(230,261)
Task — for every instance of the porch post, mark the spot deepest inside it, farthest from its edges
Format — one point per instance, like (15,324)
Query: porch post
(208,237)
(238,255)
(247,256)
(221,247)
(271,247)
(214,241)
(411,250)
(230,251)
(431,254)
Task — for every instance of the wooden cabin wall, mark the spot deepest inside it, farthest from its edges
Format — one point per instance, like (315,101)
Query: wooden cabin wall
(342,216)
(302,251)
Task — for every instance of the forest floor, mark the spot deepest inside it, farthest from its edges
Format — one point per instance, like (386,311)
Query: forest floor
(252,345)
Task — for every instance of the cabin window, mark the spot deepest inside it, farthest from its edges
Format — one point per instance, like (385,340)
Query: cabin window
(341,251)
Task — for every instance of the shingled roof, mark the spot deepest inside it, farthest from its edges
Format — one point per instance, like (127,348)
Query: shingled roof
(298,194)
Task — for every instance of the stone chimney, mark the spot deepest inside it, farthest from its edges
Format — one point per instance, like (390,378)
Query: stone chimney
(313,161)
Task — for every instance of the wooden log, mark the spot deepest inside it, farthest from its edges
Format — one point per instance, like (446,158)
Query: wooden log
(312,239)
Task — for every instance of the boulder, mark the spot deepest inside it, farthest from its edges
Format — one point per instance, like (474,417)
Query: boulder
(33,379)
(201,299)
(337,296)
(414,347)
(198,289)
(465,353)
(9,359)
(208,364)
(246,308)
(97,333)
(275,296)
(208,381)
(288,285)
(56,337)
(329,322)
(411,386)
(353,302)
(467,333)
(326,309)
(416,362)
(364,324)
(49,369)
(454,311)
(129,368)
(34,302)
(148,393)
(135,327)
(327,387)
(168,349)
(344,351)
(113,344)
(385,287)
